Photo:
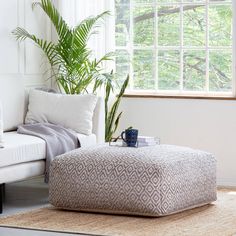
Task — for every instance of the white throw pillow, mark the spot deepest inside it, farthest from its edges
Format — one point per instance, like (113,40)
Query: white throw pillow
(71,111)
(1,123)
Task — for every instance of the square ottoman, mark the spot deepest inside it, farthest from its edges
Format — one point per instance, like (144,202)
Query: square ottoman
(149,181)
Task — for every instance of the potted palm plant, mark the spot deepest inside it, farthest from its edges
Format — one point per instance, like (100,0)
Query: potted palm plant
(72,64)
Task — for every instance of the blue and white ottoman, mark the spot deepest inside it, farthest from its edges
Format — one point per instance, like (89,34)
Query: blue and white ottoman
(150,181)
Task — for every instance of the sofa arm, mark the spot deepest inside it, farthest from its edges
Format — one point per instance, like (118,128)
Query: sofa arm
(1,123)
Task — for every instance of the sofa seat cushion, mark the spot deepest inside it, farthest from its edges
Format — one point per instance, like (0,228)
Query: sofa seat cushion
(21,148)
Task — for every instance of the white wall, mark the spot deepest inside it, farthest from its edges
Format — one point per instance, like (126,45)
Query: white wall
(21,60)
(204,124)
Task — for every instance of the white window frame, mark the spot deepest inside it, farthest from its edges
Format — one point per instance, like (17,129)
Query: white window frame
(130,49)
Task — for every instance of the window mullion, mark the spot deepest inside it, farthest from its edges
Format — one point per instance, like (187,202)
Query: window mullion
(156,48)
(234,49)
(131,46)
(207,46)
(181,47)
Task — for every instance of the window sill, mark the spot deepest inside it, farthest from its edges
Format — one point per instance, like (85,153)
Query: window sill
(200,97)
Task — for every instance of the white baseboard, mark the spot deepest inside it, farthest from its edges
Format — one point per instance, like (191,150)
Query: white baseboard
(226,183)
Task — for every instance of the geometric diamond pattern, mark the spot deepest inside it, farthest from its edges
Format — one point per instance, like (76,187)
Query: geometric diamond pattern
(151,181)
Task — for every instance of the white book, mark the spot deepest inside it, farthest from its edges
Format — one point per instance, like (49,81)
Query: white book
(148,142)
(146,139)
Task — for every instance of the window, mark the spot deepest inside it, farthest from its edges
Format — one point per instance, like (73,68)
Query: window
(178,47)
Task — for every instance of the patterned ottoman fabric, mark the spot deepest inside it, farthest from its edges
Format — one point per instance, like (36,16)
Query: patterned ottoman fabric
(151,181)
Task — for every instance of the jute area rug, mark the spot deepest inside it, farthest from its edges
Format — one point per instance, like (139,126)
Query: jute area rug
(218,219)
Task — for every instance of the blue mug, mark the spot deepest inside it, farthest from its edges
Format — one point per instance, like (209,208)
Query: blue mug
(131,137)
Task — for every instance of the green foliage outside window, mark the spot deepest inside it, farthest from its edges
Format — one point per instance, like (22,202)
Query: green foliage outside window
(168,47)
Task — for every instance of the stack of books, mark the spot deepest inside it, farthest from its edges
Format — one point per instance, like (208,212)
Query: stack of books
(144,141)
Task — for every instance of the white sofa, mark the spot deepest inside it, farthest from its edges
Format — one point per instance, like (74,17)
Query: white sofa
(24,156)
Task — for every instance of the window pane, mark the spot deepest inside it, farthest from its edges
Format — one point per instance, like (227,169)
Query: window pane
(220,70)
(122,25)
(143,64)
(194,70)
(169,70)
(122,64)
(220,20)
(194,25)
(143,26)
(169,25)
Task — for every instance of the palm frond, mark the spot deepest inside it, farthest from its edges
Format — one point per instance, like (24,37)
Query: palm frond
(48,47)
(59,23)
(87,27)
(107,57)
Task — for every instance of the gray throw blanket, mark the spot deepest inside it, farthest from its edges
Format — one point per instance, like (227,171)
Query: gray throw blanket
(58,140)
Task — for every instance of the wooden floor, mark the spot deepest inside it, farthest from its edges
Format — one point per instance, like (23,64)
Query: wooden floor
(25,196)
